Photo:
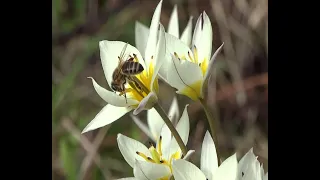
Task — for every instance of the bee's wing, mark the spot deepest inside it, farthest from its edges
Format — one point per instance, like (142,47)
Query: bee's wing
(122,54)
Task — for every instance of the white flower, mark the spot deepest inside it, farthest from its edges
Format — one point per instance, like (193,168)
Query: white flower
(228,170)
(139,100)
(155,122)
(187,69)
(250,168)
(142,31)
(155,162)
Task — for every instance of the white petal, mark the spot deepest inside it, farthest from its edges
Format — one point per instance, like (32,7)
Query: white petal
(159,56)
(106,116)
(155,123)
(209,160)
(180,76)
(265,177)
(210,65)
(143,127)
(249,166)
(111,97)
(202,37)
(183,125)
(166,141)
(128,148)
(150,171)
(174,44)
(153,34)
(109,52)
(228,170)
(141,36)
(174,112)
(184,170)
(183,128)
(187,33)
(173,26)
(188,155)
(128,178)
(246,162)
(146,103)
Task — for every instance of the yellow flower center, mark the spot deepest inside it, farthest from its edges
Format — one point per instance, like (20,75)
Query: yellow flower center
(194,90)
(134,90)
(157,157)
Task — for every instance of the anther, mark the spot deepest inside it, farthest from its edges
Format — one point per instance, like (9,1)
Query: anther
(150,143)
(160,138)
(138,152)
(161,161)
(152,57)
(175,54)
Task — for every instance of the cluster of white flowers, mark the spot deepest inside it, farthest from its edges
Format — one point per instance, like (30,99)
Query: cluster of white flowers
(184,62)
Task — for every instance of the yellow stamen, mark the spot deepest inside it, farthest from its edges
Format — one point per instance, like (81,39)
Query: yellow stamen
(159,148)
(155,155)
(149,159)
(191,58)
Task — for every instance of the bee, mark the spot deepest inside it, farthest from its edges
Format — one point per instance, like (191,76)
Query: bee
(124,72)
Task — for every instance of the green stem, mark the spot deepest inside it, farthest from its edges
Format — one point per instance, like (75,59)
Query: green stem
(214,124)
(164,117)
(171,127)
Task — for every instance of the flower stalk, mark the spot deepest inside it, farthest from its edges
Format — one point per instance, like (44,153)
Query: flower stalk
(173,130)
(165,118)
(213,123)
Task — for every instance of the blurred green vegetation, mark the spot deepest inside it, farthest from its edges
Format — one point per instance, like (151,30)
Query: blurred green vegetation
(77,27)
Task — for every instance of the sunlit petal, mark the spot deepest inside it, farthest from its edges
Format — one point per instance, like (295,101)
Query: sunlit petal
(228,170)
(184,170)
(155,123)
(265,177)
(143,169)
(159,56)
(186,36)
(141,37)
(109,52)
(249,166)
(174,112)
(166,141)
(189,154)
(173,26)
(183,128)
(175,45)
(111,97)
(202,37)
(210,66)
(209,160)
(143,127)
(182,79)
(146,103)
(106,116)
(128,148)
(153,35)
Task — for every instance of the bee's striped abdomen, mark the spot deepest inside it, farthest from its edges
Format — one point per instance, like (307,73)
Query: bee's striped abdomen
(132,68)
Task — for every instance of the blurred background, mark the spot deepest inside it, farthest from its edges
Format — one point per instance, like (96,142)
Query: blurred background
(238,93)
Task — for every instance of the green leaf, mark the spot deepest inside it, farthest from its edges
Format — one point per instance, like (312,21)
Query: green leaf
(66,154)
